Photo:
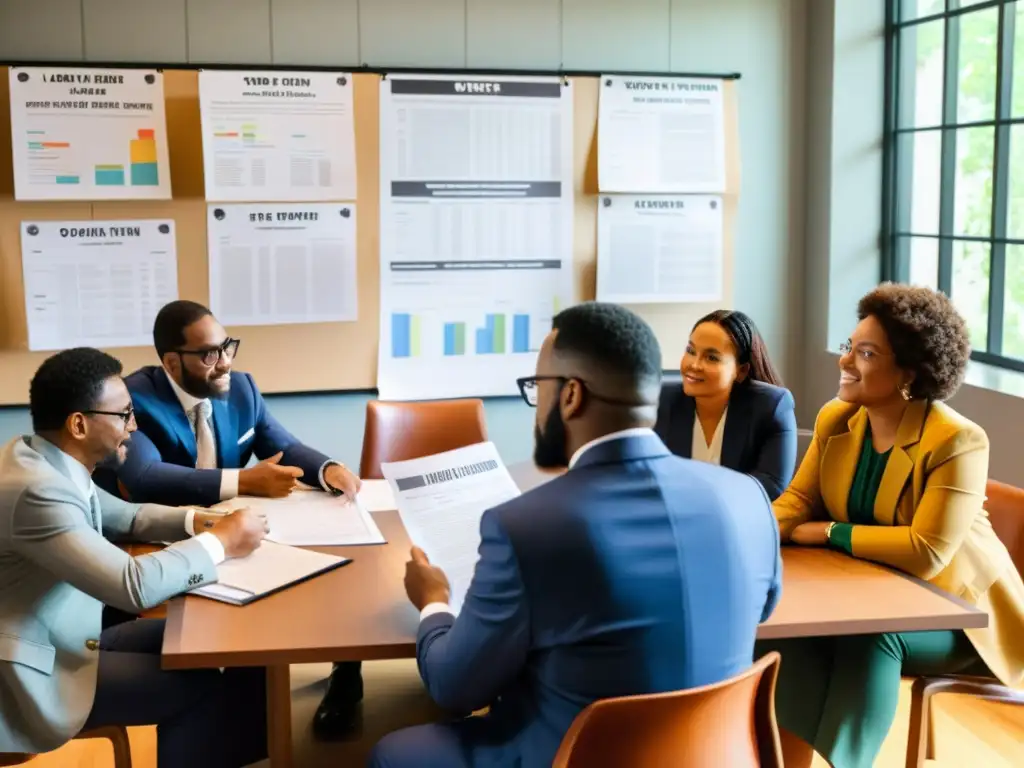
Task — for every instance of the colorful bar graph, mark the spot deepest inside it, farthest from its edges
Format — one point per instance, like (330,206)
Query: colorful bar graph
(110,175)
(414,336)
(454,338)
(401,327)
(483,341)
(143,159)
(520,333)
(497,324)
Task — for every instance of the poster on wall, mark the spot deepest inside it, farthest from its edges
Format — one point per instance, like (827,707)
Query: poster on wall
(661,135)
(89,134)
(277,136)
(281,264)
(476,228)
(96,283)
(659,249)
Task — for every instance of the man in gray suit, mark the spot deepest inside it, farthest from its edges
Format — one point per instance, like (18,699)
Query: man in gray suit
(58,673)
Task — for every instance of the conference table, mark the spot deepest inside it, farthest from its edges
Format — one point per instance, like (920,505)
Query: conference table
(360,612)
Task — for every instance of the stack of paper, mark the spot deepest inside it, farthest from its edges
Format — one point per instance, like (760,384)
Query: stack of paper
(314,519)
(271,567)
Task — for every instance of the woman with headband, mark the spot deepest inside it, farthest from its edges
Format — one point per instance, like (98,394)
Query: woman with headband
(731,409)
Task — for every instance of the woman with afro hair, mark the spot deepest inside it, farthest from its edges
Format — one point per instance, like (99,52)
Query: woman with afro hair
(896,476)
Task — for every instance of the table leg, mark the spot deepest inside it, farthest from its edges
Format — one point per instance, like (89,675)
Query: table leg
(279,716)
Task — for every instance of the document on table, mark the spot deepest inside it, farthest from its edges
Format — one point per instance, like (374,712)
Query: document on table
(96,283)
(269,568)
(281,264)
(663,249)
(441,499)
(661,135)
(314,519)
(285,136)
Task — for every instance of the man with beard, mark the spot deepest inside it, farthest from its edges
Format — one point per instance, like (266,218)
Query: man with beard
(59,674)
(200,423)
(634,572)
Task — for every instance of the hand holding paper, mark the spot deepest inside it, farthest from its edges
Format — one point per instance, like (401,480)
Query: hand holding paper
(425,583)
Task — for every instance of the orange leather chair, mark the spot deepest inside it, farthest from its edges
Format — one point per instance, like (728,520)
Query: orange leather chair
(403,431)
(1005,505)
(731,723)
(116,735)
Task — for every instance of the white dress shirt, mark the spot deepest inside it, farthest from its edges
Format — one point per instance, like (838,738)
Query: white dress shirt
(83,481)
(432,608)
(701,450)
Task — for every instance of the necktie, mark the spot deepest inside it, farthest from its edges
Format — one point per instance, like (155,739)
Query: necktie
(206,448)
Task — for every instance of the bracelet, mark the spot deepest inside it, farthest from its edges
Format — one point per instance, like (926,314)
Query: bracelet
(828,531)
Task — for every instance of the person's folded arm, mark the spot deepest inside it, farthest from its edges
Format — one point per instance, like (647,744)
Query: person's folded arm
(467,662)
(953,499)
(141,522)
(51,531)
(776,458)
(147,477)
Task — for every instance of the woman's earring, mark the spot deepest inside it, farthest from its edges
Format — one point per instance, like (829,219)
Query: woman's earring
(905,391)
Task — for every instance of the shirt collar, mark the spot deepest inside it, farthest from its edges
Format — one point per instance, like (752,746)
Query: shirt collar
(75,469)
(620,435)
(188,402)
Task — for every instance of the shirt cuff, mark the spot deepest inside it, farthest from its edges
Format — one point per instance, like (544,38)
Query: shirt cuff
(432,608)
(228,484)
(213,547)
(841,537)
(322,477)
(190,522)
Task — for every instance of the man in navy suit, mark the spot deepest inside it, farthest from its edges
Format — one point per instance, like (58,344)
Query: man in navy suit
(199,424)
(634,572)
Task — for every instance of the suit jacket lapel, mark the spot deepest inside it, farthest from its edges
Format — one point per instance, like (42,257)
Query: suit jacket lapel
(737,427)
(225,425)
(174,414)
(900,464)
(839,464)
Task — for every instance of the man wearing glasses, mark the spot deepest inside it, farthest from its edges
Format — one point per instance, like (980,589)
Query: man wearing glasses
(200,423)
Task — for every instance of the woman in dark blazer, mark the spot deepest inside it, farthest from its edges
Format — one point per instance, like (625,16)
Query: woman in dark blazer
(731,409)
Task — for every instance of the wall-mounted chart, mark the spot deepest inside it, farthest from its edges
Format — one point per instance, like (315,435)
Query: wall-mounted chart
(89,134)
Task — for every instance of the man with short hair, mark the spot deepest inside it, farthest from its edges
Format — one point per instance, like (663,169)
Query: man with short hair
(200,423)
(635,572)
(58,673)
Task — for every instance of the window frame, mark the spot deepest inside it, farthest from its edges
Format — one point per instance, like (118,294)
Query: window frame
(897,171)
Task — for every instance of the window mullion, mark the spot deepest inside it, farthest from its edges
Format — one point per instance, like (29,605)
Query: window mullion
(1000,179)
(947,181)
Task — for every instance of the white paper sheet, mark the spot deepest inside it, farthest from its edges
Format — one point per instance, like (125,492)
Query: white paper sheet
(659,249)
(89,134)
(281,136)
(313,519)
(281,264)
(441,499)
(661,135)
(476,237)
(376,496)
(271,566)
(96,283)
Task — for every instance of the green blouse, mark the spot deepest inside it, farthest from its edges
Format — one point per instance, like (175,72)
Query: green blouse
(860,505)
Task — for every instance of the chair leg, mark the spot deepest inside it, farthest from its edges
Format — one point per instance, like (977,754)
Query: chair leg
(117,735)
(921,737)
(929,751)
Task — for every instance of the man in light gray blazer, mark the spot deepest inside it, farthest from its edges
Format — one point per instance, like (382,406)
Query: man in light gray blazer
(58,673)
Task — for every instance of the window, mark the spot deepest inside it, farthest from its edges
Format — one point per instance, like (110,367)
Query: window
(954,162)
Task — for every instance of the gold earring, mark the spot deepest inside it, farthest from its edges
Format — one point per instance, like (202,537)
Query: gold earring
(905,391)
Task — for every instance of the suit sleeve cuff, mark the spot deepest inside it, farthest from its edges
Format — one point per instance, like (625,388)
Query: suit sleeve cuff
(322,477)
(841,537)
(228,484)
(190,522)
(432,608)
(213,547)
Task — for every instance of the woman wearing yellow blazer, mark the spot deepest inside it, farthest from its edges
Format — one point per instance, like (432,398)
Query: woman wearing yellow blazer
(895,476)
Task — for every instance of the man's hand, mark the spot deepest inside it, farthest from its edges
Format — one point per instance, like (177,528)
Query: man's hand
(268,478)
(240,532)
(341,479)
(425,583)
(810,535)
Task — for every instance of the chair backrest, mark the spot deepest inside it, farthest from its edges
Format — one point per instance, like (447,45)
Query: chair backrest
(1005,505)
(731,723)
(403,431)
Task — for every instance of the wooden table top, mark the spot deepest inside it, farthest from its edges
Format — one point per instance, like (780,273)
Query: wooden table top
(360,611)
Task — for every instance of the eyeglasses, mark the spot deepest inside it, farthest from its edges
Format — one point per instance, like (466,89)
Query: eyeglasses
(125,416)
(210,357)
(864,352)
(528,387)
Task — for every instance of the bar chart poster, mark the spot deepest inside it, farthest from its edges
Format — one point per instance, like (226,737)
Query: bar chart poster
(89,134)
(476,230)
(278,136)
